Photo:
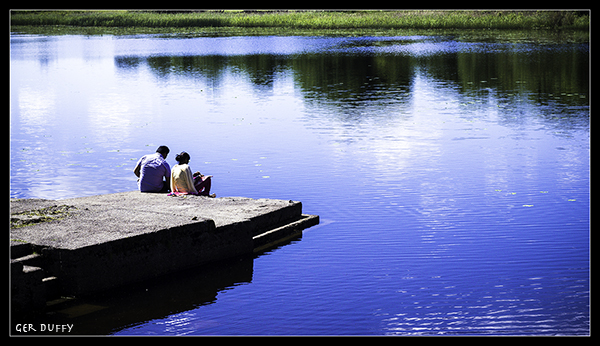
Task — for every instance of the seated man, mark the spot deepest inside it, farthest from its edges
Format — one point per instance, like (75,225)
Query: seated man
(151,169)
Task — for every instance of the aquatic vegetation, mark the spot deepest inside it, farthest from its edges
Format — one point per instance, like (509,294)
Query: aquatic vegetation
(461,19)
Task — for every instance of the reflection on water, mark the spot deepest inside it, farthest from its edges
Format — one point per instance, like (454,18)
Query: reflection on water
(172,295)
(452,177)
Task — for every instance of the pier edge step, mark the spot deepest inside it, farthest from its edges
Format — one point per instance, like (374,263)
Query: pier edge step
(283,233)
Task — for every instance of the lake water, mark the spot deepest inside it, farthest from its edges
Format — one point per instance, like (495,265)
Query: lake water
(451,176)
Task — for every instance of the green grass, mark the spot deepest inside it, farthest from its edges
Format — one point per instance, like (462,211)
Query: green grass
(515,20)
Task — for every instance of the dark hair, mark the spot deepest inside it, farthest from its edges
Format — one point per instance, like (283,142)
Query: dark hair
(183,157)
(163,149)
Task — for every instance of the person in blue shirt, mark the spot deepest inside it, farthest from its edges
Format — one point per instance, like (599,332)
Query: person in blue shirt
(151,169)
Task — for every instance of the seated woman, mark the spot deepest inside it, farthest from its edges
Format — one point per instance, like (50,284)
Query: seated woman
(183,182)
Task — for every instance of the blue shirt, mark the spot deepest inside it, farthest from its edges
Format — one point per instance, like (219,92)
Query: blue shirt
(153,168)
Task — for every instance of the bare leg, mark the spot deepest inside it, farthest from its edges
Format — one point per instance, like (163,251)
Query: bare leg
(205,184)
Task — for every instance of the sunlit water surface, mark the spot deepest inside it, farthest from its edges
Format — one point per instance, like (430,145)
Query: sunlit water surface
(452,178)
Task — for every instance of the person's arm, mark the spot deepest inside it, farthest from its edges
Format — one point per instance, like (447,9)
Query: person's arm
(167,170)
(137,169)
(171,182)
(190,181)
(168,175)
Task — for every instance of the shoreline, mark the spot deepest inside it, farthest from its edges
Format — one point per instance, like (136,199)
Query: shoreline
(463,35)
(306,20)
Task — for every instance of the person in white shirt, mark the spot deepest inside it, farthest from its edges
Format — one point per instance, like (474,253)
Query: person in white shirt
(184,182)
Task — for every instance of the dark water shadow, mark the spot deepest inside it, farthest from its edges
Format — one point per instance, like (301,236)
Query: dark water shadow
(127,307)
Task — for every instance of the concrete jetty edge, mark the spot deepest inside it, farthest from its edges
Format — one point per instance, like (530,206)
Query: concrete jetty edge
(81,246)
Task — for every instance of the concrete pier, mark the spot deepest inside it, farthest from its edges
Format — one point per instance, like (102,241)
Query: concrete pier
(81,246)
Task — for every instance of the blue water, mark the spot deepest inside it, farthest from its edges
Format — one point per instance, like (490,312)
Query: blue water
(451,178)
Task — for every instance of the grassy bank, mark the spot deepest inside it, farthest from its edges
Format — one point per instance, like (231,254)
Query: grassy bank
(515,20)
